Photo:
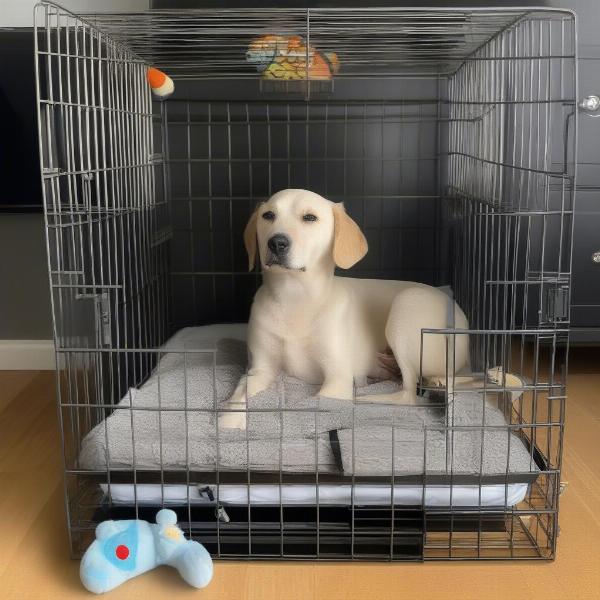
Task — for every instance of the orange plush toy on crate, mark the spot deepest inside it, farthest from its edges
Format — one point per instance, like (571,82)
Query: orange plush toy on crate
(287,57)
(161,84)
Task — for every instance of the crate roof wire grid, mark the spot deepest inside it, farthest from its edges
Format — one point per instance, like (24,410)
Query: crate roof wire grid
(369,42)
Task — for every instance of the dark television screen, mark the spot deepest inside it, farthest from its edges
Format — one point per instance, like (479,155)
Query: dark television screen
(19,161)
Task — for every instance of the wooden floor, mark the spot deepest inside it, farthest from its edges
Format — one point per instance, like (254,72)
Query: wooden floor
(34,559)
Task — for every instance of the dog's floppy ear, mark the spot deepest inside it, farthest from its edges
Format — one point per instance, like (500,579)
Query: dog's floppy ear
(250,240)
(349,242)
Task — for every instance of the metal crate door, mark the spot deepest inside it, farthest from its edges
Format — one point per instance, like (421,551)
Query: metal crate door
(105,212)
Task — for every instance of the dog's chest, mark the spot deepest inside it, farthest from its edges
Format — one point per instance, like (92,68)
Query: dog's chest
(300,360)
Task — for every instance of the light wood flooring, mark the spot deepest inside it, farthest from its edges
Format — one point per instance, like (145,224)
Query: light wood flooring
(34,560)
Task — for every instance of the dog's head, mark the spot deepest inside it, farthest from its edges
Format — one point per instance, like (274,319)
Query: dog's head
(299,231)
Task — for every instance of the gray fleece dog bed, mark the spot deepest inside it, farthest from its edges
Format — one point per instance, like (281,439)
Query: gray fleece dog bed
(169,423)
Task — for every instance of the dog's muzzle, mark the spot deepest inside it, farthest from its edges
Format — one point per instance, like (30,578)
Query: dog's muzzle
(279,245)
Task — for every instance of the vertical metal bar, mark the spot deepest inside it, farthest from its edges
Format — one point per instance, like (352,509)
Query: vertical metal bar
(288,154)
(306,146)
(192,240)
(270,185)
(424,537)
(573,188)
(250,175)
(230,194)
(392,487)
(345,157)
(248,471)
(326,151)
(308,61)
(363,155)
(160,432)
(210,205)
(482,447)
(282,413)
(168,206)
(317,495)
(187,444)
(353,477)
(40,13)
(217,451)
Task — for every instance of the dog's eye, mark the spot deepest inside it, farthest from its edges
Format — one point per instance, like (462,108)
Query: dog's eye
(269,215)
(309,217)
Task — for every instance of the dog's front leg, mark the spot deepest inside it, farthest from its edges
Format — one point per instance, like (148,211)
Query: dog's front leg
(338,377)
(338,383)
(265,363)
(256,381)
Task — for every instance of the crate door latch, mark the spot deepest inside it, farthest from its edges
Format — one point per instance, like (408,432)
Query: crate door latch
(103,329)
(557,304)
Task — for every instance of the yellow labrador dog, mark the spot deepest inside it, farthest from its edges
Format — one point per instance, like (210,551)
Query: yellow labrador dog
(327,330)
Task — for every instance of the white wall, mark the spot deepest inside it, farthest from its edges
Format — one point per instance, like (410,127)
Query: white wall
(19,13)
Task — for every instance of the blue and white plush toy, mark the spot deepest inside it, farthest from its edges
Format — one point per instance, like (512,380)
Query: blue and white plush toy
(124,549)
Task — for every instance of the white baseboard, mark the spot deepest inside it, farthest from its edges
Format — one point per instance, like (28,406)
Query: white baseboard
(27,355)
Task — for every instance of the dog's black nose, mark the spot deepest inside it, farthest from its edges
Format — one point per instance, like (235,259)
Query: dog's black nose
(279,244)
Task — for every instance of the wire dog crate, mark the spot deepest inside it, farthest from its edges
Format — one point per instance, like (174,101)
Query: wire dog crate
(449,135)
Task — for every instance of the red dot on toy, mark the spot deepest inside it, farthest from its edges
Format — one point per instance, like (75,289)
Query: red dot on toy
(122,552)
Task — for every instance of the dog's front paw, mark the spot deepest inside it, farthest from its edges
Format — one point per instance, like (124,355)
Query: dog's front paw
(232,420)
(337,391)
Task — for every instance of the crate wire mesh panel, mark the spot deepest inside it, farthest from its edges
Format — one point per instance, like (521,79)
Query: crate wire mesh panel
(449,135)
(211,43)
